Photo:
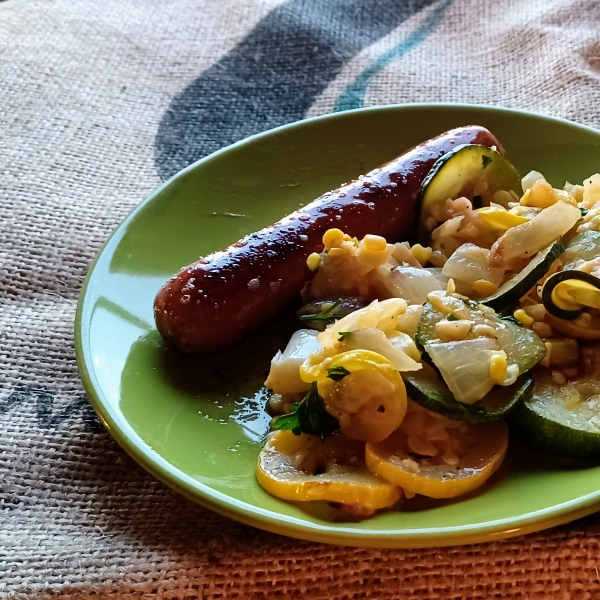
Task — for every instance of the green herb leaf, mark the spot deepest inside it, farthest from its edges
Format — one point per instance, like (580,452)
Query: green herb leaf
(511,319)
(328,315)
(309,416)
(485,160)
(584,211)
(337,373)
(451,318)
(343,335)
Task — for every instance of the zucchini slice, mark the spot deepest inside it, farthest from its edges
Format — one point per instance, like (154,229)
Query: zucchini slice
(560,420)
(514,289)
(457,173)
(522,346)
(566,293)
(429,390)
(321,313)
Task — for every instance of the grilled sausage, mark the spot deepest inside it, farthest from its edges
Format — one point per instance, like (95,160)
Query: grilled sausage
(221,297)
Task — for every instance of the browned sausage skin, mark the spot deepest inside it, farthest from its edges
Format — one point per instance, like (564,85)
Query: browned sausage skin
(221,297)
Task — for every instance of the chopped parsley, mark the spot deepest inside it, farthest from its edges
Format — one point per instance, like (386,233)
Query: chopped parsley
(329,316)
(337,373)
(343,335)
(511,319)
(485,160)
(309,416)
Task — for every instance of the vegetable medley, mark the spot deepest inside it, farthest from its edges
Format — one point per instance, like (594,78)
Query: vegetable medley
(414,362)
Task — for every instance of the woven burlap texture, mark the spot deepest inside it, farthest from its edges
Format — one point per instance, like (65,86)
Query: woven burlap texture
(84,89)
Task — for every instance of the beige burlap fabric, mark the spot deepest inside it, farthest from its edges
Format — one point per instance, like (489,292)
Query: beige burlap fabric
(98,102)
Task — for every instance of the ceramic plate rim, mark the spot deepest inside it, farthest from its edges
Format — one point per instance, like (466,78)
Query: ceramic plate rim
(223,504)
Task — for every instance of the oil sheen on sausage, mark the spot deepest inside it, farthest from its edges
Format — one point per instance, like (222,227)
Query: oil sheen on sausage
(221,297)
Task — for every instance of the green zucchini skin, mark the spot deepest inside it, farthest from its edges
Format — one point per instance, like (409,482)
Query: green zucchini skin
(551,436)
(476,162)
(512,291)
(496,406)
(557,278)
(527,350)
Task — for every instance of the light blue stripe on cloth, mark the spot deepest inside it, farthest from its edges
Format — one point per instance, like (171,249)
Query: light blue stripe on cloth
(354,95)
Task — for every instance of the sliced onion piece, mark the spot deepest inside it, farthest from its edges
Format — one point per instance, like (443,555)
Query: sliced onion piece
(465,366)
(399,349)
(412,284)
(284,376)
(525,241)
(378,315)
(470,263)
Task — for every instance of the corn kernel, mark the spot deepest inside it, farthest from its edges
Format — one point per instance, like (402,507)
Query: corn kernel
(313,260)
(521,315)
(483,287)
(541,195)
(498,367)
(525,198)
(333,238)
(374,243)
(371,258)
(421,254)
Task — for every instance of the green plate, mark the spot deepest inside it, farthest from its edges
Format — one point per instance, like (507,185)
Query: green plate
(196,422)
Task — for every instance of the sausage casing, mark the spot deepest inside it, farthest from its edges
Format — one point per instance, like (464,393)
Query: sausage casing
(221,297)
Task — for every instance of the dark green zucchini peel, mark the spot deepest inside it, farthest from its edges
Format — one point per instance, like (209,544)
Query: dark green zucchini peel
(428,389)
(517,287)
(457,174)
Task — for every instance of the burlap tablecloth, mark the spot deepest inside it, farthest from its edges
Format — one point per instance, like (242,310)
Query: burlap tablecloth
(99,101)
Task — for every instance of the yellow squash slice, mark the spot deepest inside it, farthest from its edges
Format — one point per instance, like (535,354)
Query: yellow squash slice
(369,402)
(499,218)
(478,449)
(305,467)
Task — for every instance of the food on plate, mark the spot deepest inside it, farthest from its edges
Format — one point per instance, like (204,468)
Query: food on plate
(468,455)
(308,467)
(412,363)
(221,297)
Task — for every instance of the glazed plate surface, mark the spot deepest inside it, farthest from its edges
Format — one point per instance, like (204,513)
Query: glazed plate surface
(197,422)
